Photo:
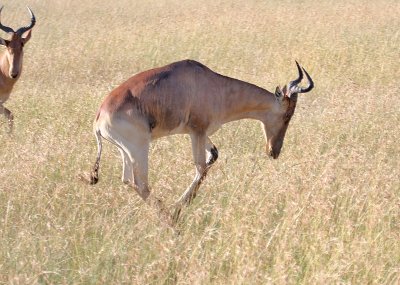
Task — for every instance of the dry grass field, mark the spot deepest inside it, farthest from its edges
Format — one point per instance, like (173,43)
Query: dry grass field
(326,212)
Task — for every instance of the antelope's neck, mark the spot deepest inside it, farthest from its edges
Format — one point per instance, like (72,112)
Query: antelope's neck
(6,82)
(247,101)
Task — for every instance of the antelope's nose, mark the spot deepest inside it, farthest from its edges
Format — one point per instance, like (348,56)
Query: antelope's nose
(273,154)
(14,74)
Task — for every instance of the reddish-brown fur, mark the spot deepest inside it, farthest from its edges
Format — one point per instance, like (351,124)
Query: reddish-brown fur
(184,92)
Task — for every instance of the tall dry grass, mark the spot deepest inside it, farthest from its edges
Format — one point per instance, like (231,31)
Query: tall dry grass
(326,212)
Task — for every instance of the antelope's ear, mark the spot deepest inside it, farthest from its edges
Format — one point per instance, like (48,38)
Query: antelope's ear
(285,91)
(3,42)
(27,36)
(278,93)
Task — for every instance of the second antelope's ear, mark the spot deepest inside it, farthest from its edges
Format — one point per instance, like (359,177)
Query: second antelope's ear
(278,93)
(27,36)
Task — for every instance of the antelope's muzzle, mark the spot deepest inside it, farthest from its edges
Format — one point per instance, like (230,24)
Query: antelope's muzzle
(273,154)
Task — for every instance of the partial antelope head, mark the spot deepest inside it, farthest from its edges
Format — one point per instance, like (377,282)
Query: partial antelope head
(14,46)
(277,122)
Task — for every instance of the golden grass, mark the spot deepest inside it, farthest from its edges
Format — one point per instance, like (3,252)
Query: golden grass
(326,212)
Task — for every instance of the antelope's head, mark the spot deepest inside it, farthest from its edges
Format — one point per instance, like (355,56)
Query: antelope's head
(14,46)
(277,121)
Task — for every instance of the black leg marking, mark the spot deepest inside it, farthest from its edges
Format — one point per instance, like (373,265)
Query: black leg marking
(214,156)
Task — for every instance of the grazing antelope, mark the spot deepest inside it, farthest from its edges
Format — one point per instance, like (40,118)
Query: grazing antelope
(11,62)
(186,97)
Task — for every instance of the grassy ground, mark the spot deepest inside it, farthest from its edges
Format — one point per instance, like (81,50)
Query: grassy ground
(326,212)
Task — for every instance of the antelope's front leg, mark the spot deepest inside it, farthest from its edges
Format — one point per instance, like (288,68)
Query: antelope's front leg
(9,116)
(212,153)
(199,156)
(200,146)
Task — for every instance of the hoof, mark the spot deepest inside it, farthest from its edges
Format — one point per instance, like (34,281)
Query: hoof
(88,178)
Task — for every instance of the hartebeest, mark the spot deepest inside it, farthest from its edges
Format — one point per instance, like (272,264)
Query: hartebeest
(11,62)
(186,97)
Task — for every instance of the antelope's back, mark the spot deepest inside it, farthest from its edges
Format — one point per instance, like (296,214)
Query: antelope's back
(167,97)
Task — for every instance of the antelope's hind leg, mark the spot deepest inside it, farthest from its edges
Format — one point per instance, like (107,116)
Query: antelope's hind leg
(133,140)
(127,170)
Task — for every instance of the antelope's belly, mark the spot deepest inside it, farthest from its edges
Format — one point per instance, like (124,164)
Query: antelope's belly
(159,132)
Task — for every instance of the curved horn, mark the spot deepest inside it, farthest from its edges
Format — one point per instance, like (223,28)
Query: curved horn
(5,28)
(22,30)
(310,83)
(293,88)
(295,82)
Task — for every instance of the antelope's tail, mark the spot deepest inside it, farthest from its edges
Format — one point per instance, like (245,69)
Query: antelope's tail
(93,177)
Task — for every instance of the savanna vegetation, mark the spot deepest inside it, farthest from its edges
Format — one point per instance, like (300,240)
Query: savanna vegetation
(326,212)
